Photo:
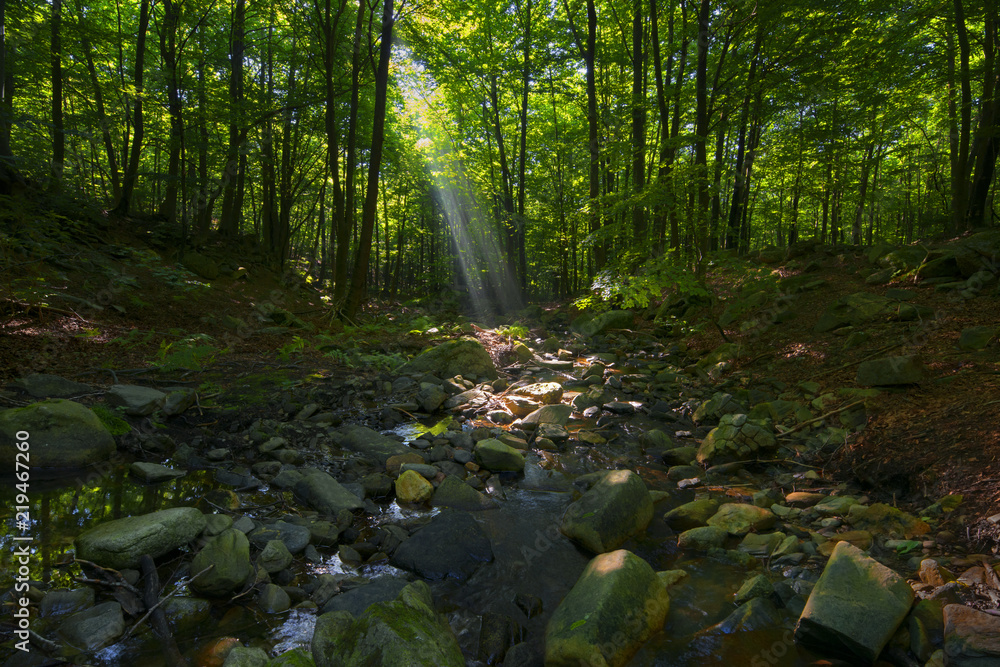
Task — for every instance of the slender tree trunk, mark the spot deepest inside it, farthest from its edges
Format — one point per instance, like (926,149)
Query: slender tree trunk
(131,172)
(5,92)
(346,223)
(58,131)
(987,140)
(102,119)
(168,51)
(232,196)
(701,136)
(960,164)
(741,183)
(638,126)
(358,290)
(856,237)
(522,162)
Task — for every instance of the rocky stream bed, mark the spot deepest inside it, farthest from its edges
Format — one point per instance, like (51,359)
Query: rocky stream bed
(603,499)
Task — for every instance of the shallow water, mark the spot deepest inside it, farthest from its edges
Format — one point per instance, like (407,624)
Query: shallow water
(531,557)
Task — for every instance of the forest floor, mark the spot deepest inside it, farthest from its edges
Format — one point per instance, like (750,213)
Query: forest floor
(66,310)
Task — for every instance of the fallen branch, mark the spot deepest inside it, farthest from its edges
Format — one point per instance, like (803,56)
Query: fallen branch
(160,602)
(821,417)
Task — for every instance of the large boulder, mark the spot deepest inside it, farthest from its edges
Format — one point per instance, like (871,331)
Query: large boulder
(855,309)
(971,637)
(62,434)
(692,515)
(855,607)
(371,444)
(405,632)
(325,494)
(736,437)
(120,543)
(613,510)
(588,326)
(226,558)
(616,605)
(890,371)
(465,356)
(452,546)
(201,265)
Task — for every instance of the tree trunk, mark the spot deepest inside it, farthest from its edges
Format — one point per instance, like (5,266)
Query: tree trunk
(346,222)
(58,132)
(358,290)
(232,197)
(701,136)
(987,140)
(960,162)
(131,172)
(102,119)
(638,126)
(741,183)
(522,161)
(168,51)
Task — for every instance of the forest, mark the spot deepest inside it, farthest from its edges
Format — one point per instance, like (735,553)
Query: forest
(523,149)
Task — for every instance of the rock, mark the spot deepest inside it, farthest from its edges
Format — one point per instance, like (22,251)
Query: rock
(430,397)
(547,393)
(804,498)
(835,505)
(394,464)
(976,338)
(39,385)
(451,545)
(703,538)
(714,408)
(548,414)
(63,434)
(887,520)
(761,544)
(137,401)
(971,637)
(94,628)
(497,457)
(371,444)
(294,537)
(325,494)
(178,401)
(456,494)
(297,657)
(275,557)
(405,632)
(241,656)
(589,326)
(474,398)
(739,519)
(186,614)
(228,554)
(855,607)
(154,472)
(465,356)
(411,487)
(358,599)
(889,371)
(118,544)
(926,626)
(60,603)
(737,437)
(682,456)
(854,309)
(616,605)
(757,614)
(758,586)
(613,510)
(273,599)
(201,265)
(425,470)
(497,633)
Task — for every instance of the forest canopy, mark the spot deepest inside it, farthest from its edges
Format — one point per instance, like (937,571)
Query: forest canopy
(512,148)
